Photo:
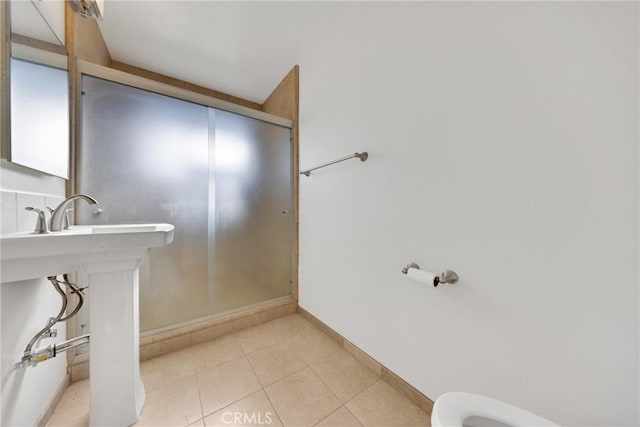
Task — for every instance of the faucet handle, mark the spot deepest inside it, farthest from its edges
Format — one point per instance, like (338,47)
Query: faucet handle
(41,223)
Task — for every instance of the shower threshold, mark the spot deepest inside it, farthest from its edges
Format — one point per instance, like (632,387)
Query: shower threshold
(161,341)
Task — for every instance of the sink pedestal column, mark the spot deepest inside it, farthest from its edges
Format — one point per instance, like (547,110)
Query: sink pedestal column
(107,258)
(117,392)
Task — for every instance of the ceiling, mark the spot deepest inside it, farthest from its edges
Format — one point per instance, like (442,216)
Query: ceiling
(39,20)
(240,48)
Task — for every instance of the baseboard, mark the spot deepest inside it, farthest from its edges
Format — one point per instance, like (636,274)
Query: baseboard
(406,389)
(44,418)
(181,337)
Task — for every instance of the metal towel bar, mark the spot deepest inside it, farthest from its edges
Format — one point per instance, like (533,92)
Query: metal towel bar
(362,156)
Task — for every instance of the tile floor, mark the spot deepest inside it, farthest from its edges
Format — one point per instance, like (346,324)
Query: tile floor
(285,372)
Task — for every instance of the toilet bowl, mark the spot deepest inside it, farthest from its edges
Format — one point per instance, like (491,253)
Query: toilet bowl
(458,409)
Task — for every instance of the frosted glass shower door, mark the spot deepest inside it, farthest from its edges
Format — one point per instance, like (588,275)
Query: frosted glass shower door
(144,157)
(251,229)
(224,180)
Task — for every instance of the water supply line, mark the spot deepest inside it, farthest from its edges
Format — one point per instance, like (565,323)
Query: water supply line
(78,292)
(53,350)
(31,357)
(27,354)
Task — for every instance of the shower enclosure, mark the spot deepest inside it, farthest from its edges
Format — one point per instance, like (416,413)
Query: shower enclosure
(223,179)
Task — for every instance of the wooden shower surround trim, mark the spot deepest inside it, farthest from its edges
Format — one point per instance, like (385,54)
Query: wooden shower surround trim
(38,44)
(83,40)
(152,75)
(5,44)
(284,101)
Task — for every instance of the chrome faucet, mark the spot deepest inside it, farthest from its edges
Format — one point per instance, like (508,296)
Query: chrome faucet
(65,220)
(59,213)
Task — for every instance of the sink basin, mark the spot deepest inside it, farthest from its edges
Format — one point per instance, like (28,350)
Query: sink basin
(109,256)
(29,256)
(126,228)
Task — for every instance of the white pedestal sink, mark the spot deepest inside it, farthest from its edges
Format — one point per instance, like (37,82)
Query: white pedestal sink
(110,255)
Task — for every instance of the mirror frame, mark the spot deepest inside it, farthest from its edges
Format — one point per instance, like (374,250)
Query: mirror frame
(5,72)
(39,52)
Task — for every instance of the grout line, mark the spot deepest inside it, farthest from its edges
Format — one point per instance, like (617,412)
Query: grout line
(279,341)
(200,397)
(273,406)
(352,414)
(326,385)
(327,356)
(246,353)
(255,373)
(366,388)
(329,414)
(281,338)
(235,401)
(289,374)
(199,371)
(265,392)
(192,423)
(232,403)
(180,378)
(342,404)
(330,391)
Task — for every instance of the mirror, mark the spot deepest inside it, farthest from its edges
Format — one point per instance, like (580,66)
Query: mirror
(38,88)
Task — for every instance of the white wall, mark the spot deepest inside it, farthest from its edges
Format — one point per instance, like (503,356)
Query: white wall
(503,142)
(27,305)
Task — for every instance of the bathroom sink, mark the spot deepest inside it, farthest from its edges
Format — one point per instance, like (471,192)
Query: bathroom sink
(109,257)
(28,256)
(126,228)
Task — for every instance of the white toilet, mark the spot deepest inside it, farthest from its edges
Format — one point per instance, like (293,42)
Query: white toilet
(459,409)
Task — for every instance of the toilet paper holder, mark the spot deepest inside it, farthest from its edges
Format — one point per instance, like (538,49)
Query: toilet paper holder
(447,276)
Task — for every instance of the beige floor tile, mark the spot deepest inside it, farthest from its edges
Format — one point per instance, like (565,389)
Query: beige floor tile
(275,362)
(250,411)
(291,325)
(344,375)
(61,420)
(340,418)
(165,369)
(313,345)
(226,384)
(213,353)
(382,405)
(176,404)
(73,408)
(258,337)
(301,399)
(227,381)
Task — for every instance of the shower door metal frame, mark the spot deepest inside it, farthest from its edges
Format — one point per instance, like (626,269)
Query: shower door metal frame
(149,85)
(121,77)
